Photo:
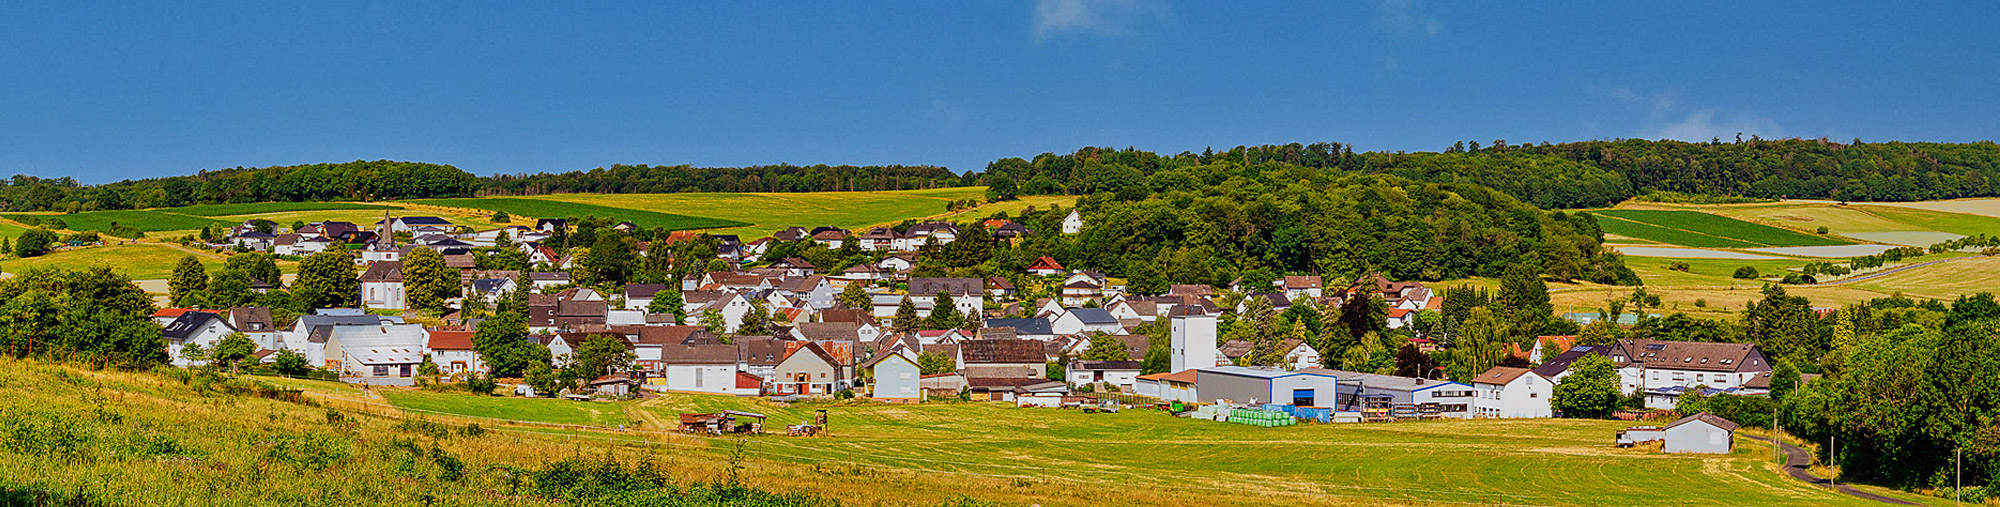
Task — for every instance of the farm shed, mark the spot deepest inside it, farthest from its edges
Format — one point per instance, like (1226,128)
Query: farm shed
(1400,397)
(1702,433)
(1257,385)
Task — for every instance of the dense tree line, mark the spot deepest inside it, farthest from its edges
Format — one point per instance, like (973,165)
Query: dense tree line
(1209,224)
(1576,174)
(358,180)
(1906,385)
(648,179)
(1567,175)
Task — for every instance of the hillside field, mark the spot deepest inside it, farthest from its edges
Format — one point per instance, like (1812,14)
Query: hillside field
(139,261)
(1697,229)
(754,215)
(1146,457)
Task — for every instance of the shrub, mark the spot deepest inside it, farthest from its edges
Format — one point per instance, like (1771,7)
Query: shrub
(1746,273)
(1681,266)
(46,436)
(479,384)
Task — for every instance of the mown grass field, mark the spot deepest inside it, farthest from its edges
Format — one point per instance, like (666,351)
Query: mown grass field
(544,409)
(754,215)
(1697,229)
(139,261)
(1146,457)
(550,208)
(190,218)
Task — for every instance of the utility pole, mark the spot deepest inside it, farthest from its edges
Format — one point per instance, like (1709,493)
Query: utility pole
(1830,476)
(1776,433)
(1958,476)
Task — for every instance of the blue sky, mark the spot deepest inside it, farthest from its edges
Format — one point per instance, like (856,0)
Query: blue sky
(115,90)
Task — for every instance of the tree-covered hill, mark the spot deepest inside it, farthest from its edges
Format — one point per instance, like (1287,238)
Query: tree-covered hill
(1579,174)
(1551,176)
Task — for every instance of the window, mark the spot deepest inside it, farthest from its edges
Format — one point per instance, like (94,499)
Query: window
(381,371)
(699,376)
(405,373)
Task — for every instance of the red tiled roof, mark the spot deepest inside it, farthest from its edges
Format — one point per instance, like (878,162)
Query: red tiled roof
(451,340)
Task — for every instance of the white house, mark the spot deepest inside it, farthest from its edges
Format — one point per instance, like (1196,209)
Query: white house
(696,369)
(731,306)
(1086,320)
(1072,223)
(1664,368)
(1298,354)
(898,262)
(895,373)
(197,328)
(967,294)
(1504,392)
(453,353)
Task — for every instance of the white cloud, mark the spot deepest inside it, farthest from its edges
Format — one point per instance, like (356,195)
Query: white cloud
(1102,18)
(1400,16)
(1706,124)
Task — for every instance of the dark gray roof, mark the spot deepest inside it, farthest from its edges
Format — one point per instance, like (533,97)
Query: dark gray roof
(643,290)
(1093,315)
(488,285)
(424,221)
(955,286)
(186,325)
(1556,365)
(1024,326)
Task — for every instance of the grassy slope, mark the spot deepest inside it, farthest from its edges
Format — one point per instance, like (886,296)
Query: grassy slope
(143,220)
(549,410)
(140,261)
(548,208)
(1125,458)
(760,214)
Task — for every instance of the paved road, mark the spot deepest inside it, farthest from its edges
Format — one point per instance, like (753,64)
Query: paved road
(1796,461)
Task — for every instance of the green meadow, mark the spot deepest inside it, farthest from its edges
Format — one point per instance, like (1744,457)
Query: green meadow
(1141,456)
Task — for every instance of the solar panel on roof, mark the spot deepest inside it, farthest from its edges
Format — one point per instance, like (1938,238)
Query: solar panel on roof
(1580,348)
(1656,346)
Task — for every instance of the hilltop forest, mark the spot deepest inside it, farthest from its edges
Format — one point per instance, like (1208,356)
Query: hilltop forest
(1551,176)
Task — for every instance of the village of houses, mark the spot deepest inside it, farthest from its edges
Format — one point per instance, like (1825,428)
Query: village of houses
(821,349)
